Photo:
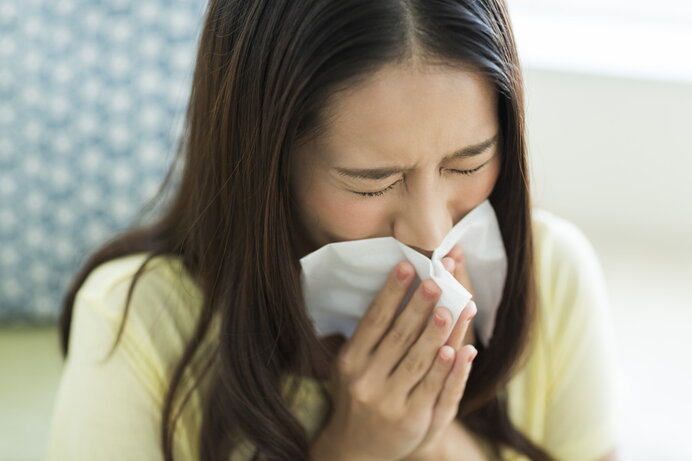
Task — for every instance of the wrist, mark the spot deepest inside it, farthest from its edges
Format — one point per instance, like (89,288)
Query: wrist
(326,448)
(464,442)
(438,449)
(447,447)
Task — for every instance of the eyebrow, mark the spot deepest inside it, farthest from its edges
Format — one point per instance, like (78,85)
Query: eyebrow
(382,173)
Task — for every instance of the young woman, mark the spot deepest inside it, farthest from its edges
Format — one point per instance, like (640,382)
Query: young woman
(318,121)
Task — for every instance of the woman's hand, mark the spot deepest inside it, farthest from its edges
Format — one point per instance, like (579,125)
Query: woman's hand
(454,263)
(442,435)
(390,375)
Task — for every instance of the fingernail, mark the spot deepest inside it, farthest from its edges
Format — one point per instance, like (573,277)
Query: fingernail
(403,272)
(473,355)
(429,289)
(474,308)
(446,352)
(440,317)
(448,263)
(459,255)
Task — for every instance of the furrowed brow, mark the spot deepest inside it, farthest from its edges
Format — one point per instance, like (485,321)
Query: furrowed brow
(382,173)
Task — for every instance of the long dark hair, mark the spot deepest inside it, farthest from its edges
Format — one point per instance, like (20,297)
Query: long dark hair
(264,73)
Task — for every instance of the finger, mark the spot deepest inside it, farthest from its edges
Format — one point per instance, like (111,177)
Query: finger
(461,327)
(417,361)
(427,391)
(447,404)
(460,271)
(406,329)
(456,338)
(379,315)
(449,264)
(462,275)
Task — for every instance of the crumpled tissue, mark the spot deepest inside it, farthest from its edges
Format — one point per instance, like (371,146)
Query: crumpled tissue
(340,280)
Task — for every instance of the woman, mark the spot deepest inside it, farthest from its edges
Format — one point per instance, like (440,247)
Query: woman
(314,122)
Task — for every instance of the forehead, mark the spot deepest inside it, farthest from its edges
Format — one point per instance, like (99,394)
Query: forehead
(405,114)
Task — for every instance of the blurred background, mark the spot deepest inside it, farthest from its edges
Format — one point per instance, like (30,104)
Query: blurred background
(92,95)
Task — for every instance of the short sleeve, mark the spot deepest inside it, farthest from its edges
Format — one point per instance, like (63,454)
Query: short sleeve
(580,422)
(111,409)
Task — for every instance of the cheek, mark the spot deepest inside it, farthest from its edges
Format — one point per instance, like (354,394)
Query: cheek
(472,193)
(332,215)
(486,182)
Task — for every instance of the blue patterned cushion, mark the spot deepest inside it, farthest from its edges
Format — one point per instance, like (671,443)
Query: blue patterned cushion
(92,99)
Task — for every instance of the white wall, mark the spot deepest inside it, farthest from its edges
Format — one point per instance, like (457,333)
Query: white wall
(613,154)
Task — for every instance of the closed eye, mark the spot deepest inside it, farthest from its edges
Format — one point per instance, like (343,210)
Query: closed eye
(381,192)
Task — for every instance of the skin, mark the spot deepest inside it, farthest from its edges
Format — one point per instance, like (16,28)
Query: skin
(412,118)
(409,116)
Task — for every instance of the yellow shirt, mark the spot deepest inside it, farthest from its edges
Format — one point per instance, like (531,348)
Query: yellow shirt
(562,398)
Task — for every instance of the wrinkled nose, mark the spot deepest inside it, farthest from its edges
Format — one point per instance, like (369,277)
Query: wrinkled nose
(423,224)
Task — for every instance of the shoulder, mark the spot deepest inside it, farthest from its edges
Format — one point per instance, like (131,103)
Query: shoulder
(573,301)
(161,314)
(163,280)
(559,243)
(568,269)
(110,390)
(162,275)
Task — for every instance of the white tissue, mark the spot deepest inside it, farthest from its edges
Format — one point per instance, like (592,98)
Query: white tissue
(341,279)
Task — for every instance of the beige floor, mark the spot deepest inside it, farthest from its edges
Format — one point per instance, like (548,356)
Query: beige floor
(29,372)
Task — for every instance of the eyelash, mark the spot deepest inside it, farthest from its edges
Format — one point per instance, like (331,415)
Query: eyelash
(381,192)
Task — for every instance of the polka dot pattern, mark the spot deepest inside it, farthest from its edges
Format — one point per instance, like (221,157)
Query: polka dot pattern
(92,100)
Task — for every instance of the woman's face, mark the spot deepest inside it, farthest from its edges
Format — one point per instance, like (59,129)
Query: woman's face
(392,161)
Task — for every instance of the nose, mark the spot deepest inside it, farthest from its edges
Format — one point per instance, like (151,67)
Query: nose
(423,222)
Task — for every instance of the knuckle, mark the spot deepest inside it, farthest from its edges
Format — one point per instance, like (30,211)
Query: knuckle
(389,413)
(376,318)
(409,426)
(434,381)
(399,336)
(431,385)
(413,365)
(359,391)
(421,309)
